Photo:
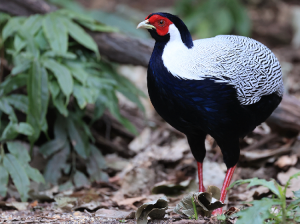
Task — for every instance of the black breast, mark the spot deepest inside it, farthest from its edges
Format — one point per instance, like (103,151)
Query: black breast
(194,106)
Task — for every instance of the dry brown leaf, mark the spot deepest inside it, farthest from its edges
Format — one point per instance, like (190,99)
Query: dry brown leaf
(113,214)
(295,183)
(249,195)
(33,204)
(141,141)
(172,153)
(213,173)
(136,181)
(21,206)
(170,187)
(286,161)
(131,201)
(155,209)
(255,155)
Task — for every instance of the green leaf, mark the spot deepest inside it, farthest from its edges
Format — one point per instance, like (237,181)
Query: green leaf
(99,108)
(13,129)
(95,165)
(60,105)
(296,175)
(80,179)
(41,40)
(13,25)
(60,133)
(96,26)
(134,98)
(9,132)
(297,194)
(3,17)
(255,181)
(12,83)
(85,95)
(76,139)
(19,151)
(38,98)
(33,174)
(3,180)
(31,46)
(67,55)
(78,73)
(20,68)
(81,36)
(19,44)
(33,24)
(7,109)
(52,146)
(56,164)
(25,129)
(17,174)
(54,88)
(113,107)
(258,213)
(242,20)
(56,32)
(79,14)
(18,101)
(62,75)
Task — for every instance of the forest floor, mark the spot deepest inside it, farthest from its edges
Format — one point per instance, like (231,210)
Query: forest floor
(158,161)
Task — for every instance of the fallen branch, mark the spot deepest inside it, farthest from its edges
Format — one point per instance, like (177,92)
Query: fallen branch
(260,154)
(108,145)
(287,114)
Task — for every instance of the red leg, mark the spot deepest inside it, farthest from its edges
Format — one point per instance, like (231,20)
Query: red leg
(200,177)
(226,183)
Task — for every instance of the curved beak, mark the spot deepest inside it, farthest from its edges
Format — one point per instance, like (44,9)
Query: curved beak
(145,24)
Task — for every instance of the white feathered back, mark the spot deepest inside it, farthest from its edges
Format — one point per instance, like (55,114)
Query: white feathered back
(248,65)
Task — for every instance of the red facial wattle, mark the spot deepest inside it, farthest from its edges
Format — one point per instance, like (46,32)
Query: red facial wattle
(161,24)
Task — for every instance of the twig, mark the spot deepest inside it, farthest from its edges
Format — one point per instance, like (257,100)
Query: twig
(1,63)
(122,151)
(261,142)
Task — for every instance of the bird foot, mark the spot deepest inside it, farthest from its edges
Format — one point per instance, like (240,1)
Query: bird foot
(218,211)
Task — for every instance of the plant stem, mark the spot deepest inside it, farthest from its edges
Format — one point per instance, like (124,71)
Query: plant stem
(195,210)
(2,154)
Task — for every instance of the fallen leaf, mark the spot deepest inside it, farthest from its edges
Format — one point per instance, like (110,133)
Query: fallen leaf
(154,209)
(255,155)
(90,205)
(172,153)
(295,183)
(131,201)
(205,202)
(66,203)
(286,161)
(21,206)
(113,161)
(141,141)
(213,173)
(231,211)
(46,195)
(113,214)
(136,181)
(170,188)
(33,204)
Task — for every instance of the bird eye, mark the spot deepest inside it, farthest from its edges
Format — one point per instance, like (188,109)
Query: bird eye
(161,22)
